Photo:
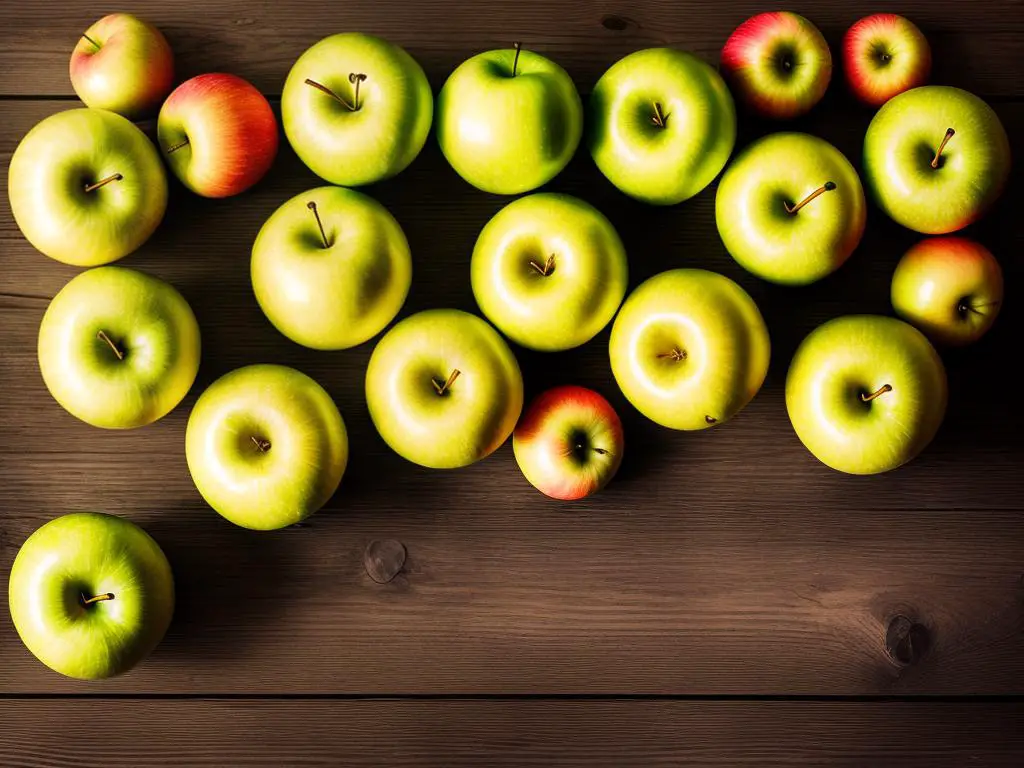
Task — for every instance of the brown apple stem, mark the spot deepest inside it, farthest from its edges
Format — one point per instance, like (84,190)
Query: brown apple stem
(323,235)
(828,186)
(442,388)
(97,598)
(262,445)
(547,269)
(938,152)
(177,146)
(332,94)
(676,355)
(880,391)
(103,182)
(103,337)
(515,61)
(659,117)
(98,46)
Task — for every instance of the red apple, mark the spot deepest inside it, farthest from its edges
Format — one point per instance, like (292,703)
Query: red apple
(883,55)
(949,287)
(218,134)
(569,442)
(122,64)
(777,64)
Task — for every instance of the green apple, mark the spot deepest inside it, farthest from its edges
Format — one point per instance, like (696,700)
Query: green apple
(549,270)
(86,187)
(443,388)
(118,348)
(509,120)
(866,393)
(949,287)
(91,595)
(331,268)
(662,125)
(936,158)
(356,109)
(689,349)
(266,446)
(790,209)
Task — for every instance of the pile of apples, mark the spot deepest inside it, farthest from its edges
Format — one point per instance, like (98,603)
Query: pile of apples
(92,594)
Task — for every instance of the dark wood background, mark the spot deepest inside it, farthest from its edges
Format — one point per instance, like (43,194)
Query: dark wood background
(727,600)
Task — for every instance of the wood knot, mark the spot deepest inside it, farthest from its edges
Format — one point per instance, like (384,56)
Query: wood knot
(384,559)
(616,23)
(906,641)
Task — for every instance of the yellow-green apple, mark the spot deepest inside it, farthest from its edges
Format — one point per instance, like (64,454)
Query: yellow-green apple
(549,271)
(949,287)
(884,55)
(86,187)
(266,446)
(331,268)
(218,133)
(662,125)
(777,64)
(91,595)
(790,208)
(123,64)
(689,349)
(356,109)
(569,442)
(443,388)
(509,120)
(118,348)
(866,393)
(936,158)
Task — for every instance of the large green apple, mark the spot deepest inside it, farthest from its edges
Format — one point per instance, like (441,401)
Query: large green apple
(356,109)
(443,388)
(689,349)
(866,393)
(790,208)
(509,120)
(266,446)
(936,158)
(330,268)
(91,595)
(662,125)
(549,270)
(86,187)
(118,348)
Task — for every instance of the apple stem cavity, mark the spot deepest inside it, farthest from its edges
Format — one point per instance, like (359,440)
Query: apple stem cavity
(547,269)
(710,420)
(515,61)
(658,118)
(442,388)
(261,445)
(828,186)
(97,598)
(332,94)
(945,140)
(103,182)
(323,235)
(676,355)
(867,398)
(98,46)
(102,336)
(177,146)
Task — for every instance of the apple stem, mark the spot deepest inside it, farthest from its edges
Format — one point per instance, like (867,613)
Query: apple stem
(323,235)
(964,307)
(442,388)
(356,78)
(103,337)
(710,420)
(260,443)
(515,61)
(676,354)
(828,186)
(98,46)
(880,391)
(103,182)
(97,598)
(659,117)
(177,146)
(547,269)
(945,140)
(332,94)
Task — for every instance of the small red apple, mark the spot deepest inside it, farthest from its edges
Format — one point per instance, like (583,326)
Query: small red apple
(218,134)
(569,442)
(884,55)
(777,64)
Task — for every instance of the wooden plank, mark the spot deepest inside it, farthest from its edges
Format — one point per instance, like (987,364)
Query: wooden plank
(261,41)
(404,734)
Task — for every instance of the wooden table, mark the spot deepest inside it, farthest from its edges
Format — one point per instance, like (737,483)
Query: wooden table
(728,600)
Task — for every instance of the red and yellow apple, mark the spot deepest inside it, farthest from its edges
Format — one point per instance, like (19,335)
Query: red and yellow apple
(884,55)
